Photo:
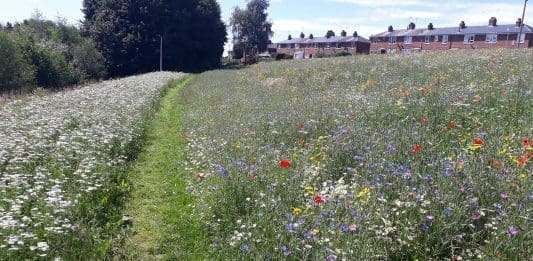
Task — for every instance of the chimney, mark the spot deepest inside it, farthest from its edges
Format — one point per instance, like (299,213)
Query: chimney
(302,35)
(519,22)
(355,34)
(391,28)
(462,25)
(411,26)
(343,33)
(430,26)
(290,37)
(493,21)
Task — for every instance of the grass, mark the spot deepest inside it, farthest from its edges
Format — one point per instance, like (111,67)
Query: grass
(423,156)
(164,222)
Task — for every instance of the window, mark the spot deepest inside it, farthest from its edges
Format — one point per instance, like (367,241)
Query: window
(469,38)
(491,38)
(292,46)
(374,39)
(297,46)
(444,39)
(436,38)
(427,39)
(522,38)
(408,40)
(392,39)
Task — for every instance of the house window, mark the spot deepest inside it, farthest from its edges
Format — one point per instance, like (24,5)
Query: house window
(374,39)
(392,39)
(491,38)
(427,39)
(445,39)
(469,38)
(408,40)
(436,38)
(292,46)
(522,38)
(297,46)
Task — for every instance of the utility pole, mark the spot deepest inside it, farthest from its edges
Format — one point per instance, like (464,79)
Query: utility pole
(161,55)
(522,25)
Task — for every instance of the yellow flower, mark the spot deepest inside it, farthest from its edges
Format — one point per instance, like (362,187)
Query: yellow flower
(309,190)
(297,211)
(364,192)
(238,144)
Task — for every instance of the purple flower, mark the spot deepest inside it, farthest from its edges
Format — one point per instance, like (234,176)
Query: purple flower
(513,231)
(430,218)
(448,213)
(245,247)
(331,258)
(425,227)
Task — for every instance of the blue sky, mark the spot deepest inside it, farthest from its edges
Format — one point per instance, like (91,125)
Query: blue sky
(317,16)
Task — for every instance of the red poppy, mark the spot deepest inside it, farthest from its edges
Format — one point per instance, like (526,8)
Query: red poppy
(424,120)
(526,142)
(522,161)
(302,126)
(496,164)
(301,142)
(452,125)
(417,148)
(252,176)
(318,199)
(478,142)
(285,164)
(528,155)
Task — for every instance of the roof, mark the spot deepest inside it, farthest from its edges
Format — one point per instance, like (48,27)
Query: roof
(498,29)
(333,39)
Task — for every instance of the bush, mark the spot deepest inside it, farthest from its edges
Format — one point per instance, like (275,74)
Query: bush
(15,73)
(89,62)
(283,56)
(53,70)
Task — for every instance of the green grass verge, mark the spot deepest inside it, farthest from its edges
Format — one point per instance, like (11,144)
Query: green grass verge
(164,225)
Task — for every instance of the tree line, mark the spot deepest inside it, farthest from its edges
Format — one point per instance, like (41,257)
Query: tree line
(123,37)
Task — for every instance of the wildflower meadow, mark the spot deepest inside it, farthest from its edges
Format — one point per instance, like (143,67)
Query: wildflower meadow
(62,164)
(423,156)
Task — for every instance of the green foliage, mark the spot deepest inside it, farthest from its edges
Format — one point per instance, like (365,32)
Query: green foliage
(128,34)
(250,26)
(282,56)
(330,34)
(15,72)
(55,53)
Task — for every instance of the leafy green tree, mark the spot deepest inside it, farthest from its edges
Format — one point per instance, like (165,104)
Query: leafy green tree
(128,34)
(330,34)
(15,72)
(250,26)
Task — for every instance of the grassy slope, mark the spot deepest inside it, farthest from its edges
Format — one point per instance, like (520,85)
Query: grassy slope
(162,216)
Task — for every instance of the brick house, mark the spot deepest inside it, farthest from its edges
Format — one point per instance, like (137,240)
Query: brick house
(451,38)
(308,47)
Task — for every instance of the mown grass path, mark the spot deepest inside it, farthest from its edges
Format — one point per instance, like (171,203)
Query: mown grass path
(163,222)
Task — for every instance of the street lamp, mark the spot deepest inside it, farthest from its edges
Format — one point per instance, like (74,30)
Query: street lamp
(522,25)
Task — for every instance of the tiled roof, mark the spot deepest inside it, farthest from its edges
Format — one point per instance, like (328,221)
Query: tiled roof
(499,29)
(333,39)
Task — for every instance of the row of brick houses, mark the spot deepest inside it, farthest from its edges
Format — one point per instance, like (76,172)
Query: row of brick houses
(415,40)
(308,47)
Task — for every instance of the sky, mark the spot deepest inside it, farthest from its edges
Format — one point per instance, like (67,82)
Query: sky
(367,17)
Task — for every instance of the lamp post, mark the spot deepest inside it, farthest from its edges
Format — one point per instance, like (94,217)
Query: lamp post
(161,54)
(521,26)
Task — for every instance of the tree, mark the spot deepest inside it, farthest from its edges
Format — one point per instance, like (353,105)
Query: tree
(250,26)
(128,34)
(330,34)
(355,34)
(311,36)
(15,72)
(302,35)
(343,33)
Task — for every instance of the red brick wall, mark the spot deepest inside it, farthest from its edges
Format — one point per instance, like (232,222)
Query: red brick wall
(454,42)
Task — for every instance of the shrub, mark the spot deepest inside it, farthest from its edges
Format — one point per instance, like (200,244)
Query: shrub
(283,56)
(15,73)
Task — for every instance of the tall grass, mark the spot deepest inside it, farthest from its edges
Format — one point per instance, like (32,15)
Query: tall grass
(389,157)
